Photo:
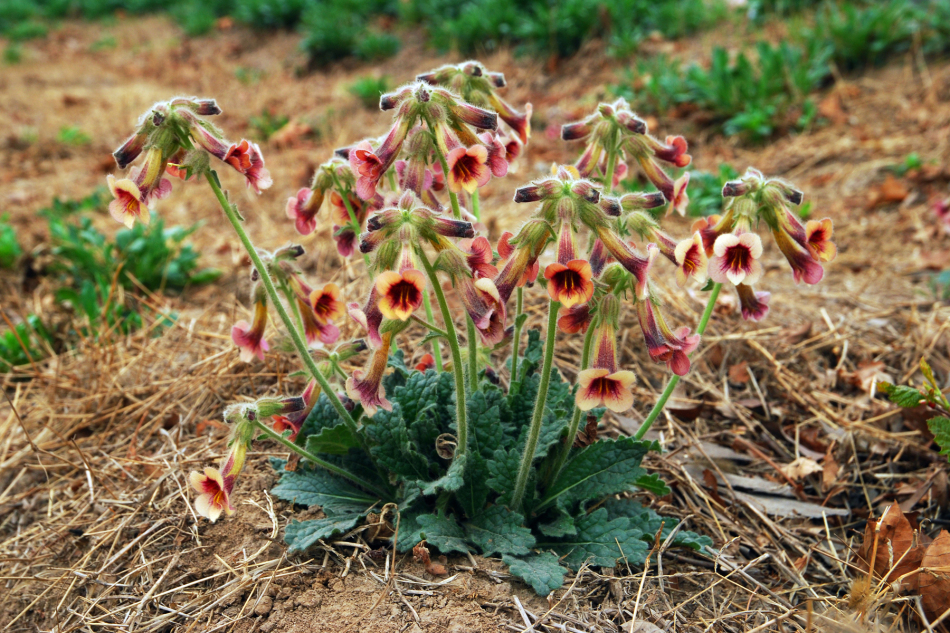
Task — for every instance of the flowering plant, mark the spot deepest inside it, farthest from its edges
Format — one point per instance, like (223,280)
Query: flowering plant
(468,461)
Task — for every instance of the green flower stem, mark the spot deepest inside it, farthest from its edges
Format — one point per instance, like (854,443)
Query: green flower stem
(436,350)
(516,344)
(609,174)
(565,450)
(658,407)
(333,468)
(353,221)
(301,345)
(453,341)
(534,432)
(476,211)
(293,304)
(434,328)
(472,355)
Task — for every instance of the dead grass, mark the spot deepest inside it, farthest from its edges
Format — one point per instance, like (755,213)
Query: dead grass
(95,444)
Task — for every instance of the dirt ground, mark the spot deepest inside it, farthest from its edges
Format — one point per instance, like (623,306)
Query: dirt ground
(96,529)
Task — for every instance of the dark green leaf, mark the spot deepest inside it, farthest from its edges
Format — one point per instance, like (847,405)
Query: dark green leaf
(302,534)
(940,427)
(901,395)
(605,467)
(560,524)
(318,487)
(322,416)
(502,471)
(599,541)
(487,413)
(647,522)
(541,571)
(410,532)
(335,440)
(653,483)
(443,532)
(473,495)
(400,373)
(391,446)
(450,481)
(499,530)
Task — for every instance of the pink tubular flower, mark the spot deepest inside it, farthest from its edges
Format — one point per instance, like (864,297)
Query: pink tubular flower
(246,158)
(680,197)
(517,267)
(691,260)
(369,391)
(575,319)
(497,162)
(368,167)
(818,239)
(664,345)
(250,339)
(400,294)
(303,208)
(128,205)
(468,168)
(570,284)
(755,305)
(804,266)
(293,422)
(215,487)
(483,304)
(603,384)
(479,257)
(369,317)
(736,259)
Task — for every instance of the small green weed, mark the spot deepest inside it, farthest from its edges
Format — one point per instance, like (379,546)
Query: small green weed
(9,247)
(71,135)
(266,123)
(27,342)
(368,90)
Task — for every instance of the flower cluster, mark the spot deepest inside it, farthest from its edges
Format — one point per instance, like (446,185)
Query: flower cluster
(176,141)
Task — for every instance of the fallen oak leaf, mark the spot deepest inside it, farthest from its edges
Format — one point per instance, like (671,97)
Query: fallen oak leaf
(934,580)
(898,550)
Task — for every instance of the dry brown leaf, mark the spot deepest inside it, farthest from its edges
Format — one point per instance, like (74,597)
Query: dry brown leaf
(680,406)
(934,580)
(899,551)
(888,192)
(421,553)
(712,483)
(291,135)
(830,108)
(795,335)
(865,375)
(801,468)
(739,373)
(829,470)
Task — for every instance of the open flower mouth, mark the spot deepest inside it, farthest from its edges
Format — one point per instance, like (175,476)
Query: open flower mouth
(467,168)
(736,258)
(570,284)
(597,387)
(326,303)
(400,294)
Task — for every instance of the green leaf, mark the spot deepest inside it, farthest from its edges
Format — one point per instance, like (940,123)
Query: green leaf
(940,427)
(647,522)
(499,530)
(599,541)
(533,352)
(473,495)
(410,532)
(653,483)
(322,416)
(336,440)
(541,571)
(318,487)
(562,524)
(400,373)
(423,390)
(502,471)
(901,395)
(443,532)
(488,416)
(605,467)
(391,446)
(302,534)
(450,481)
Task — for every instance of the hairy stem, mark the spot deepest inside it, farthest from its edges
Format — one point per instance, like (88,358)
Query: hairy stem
(472,355)
(436,350)
(534,432)
(295,336)
(658,407)
(453,341)
(516,343)
(293,304)
(431,327)
(565,450)
(333,468)
(353,221)
(476,211)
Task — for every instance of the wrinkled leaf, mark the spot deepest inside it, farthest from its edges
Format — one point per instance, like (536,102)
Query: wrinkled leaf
(647,522)
(450,481)
(940,427)
(335,440)
(499,530)
(302,534)
(443,532)
(391,446)
(599,541)
(318,487)
(541,571)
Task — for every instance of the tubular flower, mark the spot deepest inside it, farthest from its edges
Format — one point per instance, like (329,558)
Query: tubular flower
(250,338)
(468,168)
(478,86)
(369,391)
(369,165)
(369,317)
(215,486)
(575,319)
(691,260)
(326,304)
(736,259)
(636,264)
(303,208)
(400,294)
(570,284)
(664,345)
(519,266)
(680,197)
(246,158)
(294,420)
(497,161)
(755,305)
(804,266)
(483,304)
(818,238)
(603,384)
(128,205)
(344,232)
(479,256)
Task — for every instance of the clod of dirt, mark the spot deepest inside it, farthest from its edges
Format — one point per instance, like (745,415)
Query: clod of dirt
(933,580)
(898,551)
